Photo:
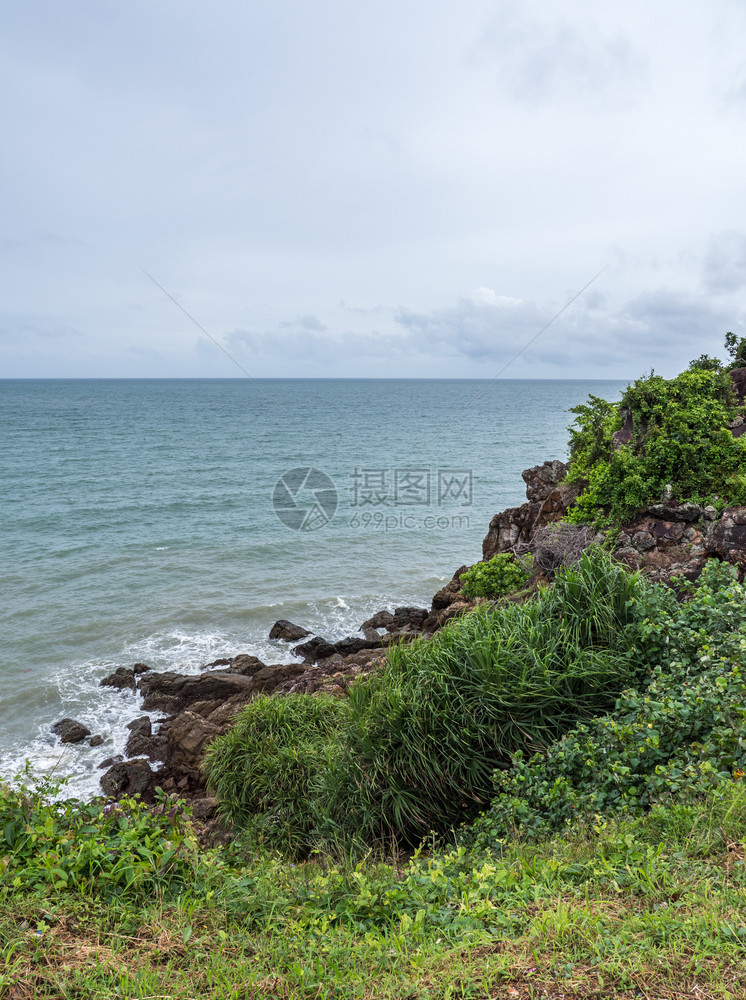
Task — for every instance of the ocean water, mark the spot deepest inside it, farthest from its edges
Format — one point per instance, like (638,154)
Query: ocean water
(173,521)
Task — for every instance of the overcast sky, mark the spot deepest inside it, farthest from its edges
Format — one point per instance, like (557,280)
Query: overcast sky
(410,188)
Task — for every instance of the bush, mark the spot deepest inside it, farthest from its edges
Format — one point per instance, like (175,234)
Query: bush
(424,736)
(264,769)
(503,574)
(673,737)
(680,438)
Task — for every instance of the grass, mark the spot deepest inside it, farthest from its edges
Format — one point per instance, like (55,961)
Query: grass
(649,908)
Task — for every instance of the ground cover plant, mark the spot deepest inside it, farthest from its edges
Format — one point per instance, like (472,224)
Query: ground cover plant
(679,439)
(653,906)
(680,731)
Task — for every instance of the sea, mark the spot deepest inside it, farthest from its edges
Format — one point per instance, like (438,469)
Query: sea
(173,521)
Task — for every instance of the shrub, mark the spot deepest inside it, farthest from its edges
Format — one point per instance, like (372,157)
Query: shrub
(264,768)
(501,575)
(679,437)
(670,738)
(424,736)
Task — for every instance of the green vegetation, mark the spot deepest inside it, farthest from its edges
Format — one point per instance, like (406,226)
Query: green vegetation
(679,439)
(416,747)
(675,735)
(501,575)
(264,768)
(652,906)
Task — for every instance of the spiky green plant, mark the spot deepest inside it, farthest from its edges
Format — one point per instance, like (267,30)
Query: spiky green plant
(263,769)
(424,736)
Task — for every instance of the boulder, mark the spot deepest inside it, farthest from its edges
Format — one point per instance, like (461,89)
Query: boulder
(129,777)
(70,731)
(245,664)
(188,737)
(172,692)
(413,618)
(451,592)
(727,539)
(123,677)
(315,649)
(353,644)
(541,480)
(287,631)
(381,619)
(686,512)
(96,741)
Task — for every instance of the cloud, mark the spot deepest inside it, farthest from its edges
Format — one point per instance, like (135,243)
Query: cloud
(561,59)
(724,268)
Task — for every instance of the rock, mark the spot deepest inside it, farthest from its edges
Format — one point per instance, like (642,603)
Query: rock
(686,512)
(727,539)
(204,808)
(129,777)
(287,631)
(666,532)
(142,742)
(315,649)
(710,513)
(111,760)
(222,661)
(643,541)
(188,738)
(95,741)
(450,593)
(738,377)
(541,480)
(411,617)
(172,692)
(140,668)
(353,644)
(625,434)
(141,726)
(381,619)
(370,633)
(123,677)
(245,665)
(70,731)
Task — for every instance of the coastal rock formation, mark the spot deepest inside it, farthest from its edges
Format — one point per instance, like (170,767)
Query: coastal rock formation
(129,777)
(70,731)
(287,631)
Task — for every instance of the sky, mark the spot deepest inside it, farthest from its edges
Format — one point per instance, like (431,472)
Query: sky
(419,188)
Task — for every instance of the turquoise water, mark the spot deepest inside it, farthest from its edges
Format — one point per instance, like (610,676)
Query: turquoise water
(138,523)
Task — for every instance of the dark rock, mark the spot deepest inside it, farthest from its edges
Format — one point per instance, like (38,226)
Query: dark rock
(141,726)
(222,661)
(172,692)
(451,592)
(738,377)
(411,617)
(140,668)
(686,512)
(625,434)
(95,741)
(123,677)
(111,760)
(315,649)
(643,540)
(245,665)
(727,539)
(287,631)
(352,644)
(204,808)
(666,532)
(70,731)
(541,480)
(188,738)
(371,634)
(381,619)
(129,777)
